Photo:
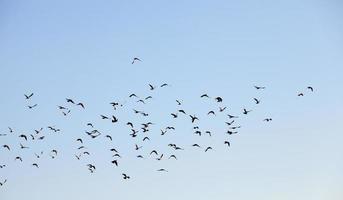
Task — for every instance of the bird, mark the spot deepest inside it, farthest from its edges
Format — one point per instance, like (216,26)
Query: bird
(33,106)
(162,170)
(245,111)
(178,102)
(259,87)
(153,151)
(208,148)
(135,59)
(221,109)
(10,129)
(148,97)
(18,158)
(232,116)
(151,87)
(196,145)
(81,104)
(182,111)
(300,94)
(35,165)
(164,84)
(146,138)
(133,95)
(61,107)
(163,132)
(138,147)
(28,96)
(172,156)
(70,101)
(218,99)
(230,123)
(23,136)
(160,158)
(6,146)
(227,143)
(109,137)
(204,95)
(23,147)
(174,115)
(310,88)
(2,183)
(115,162)
(125,176)
(129,124)
(114,119)
(257,101)
(193,118)
(79,140)
(90,124)
(211,112)
(103,117)
(268,119)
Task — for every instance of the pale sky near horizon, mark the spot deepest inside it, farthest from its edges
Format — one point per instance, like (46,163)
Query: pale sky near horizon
(83,50)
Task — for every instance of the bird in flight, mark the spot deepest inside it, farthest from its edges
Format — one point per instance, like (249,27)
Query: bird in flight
(2,183)
(28,96)
(30,107)
(268,119)
(218,99)
(125,176)
(259,87)
(135,60)
(245,111)
(301,94)
(310,88)
(257,101)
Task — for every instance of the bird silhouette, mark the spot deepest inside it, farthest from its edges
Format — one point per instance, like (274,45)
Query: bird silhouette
(310,88)
(28,96)
(208,148)
(257,101)
(135,60)
(125,176)
(219,99)
(245,111)
(259,87)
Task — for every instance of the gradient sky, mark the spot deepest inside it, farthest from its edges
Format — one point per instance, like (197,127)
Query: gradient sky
(83,50)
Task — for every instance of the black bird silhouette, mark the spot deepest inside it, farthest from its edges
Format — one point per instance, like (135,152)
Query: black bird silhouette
(35,165)
(148,97)
(154,151)
(227,143)
(232,116)
(70,101)
(10,129)
(268,119)
(137,147)
(204,95)
(230,123)
(196,145)
(151,87)
(162,170)
(193,118)
(163,132)
(125,176)
(257,101)
(221,109)
(81,104)
(90,124)
(208,148)
(18,158)
(160,158)
(174,115)
(115,162)
(163,85)
(135,59)
(178,102)
(133,95)
(109,137)
(2,166)
(310,88)
(103,117)
(218,99)
(182,111)
(172,156)
(79,140)
(129,124)
(146,138)
(3,183)
(23,147)
(300,94)
(114,119)
(259,87)
(211,112)
(28,96)
(23,136)
(61,107)
(245,111)
(31,107)
(6,146)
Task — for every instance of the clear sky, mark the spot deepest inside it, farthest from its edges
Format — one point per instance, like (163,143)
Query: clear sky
(83,50)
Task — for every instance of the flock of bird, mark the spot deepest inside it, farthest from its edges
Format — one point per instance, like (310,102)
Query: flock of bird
(136,131)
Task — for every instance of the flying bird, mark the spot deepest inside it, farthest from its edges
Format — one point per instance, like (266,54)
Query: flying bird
(28,96)
(135,59)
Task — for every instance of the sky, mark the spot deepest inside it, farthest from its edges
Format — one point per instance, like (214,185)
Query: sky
(83,50)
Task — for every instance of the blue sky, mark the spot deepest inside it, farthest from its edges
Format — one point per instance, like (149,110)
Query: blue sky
(83,50)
